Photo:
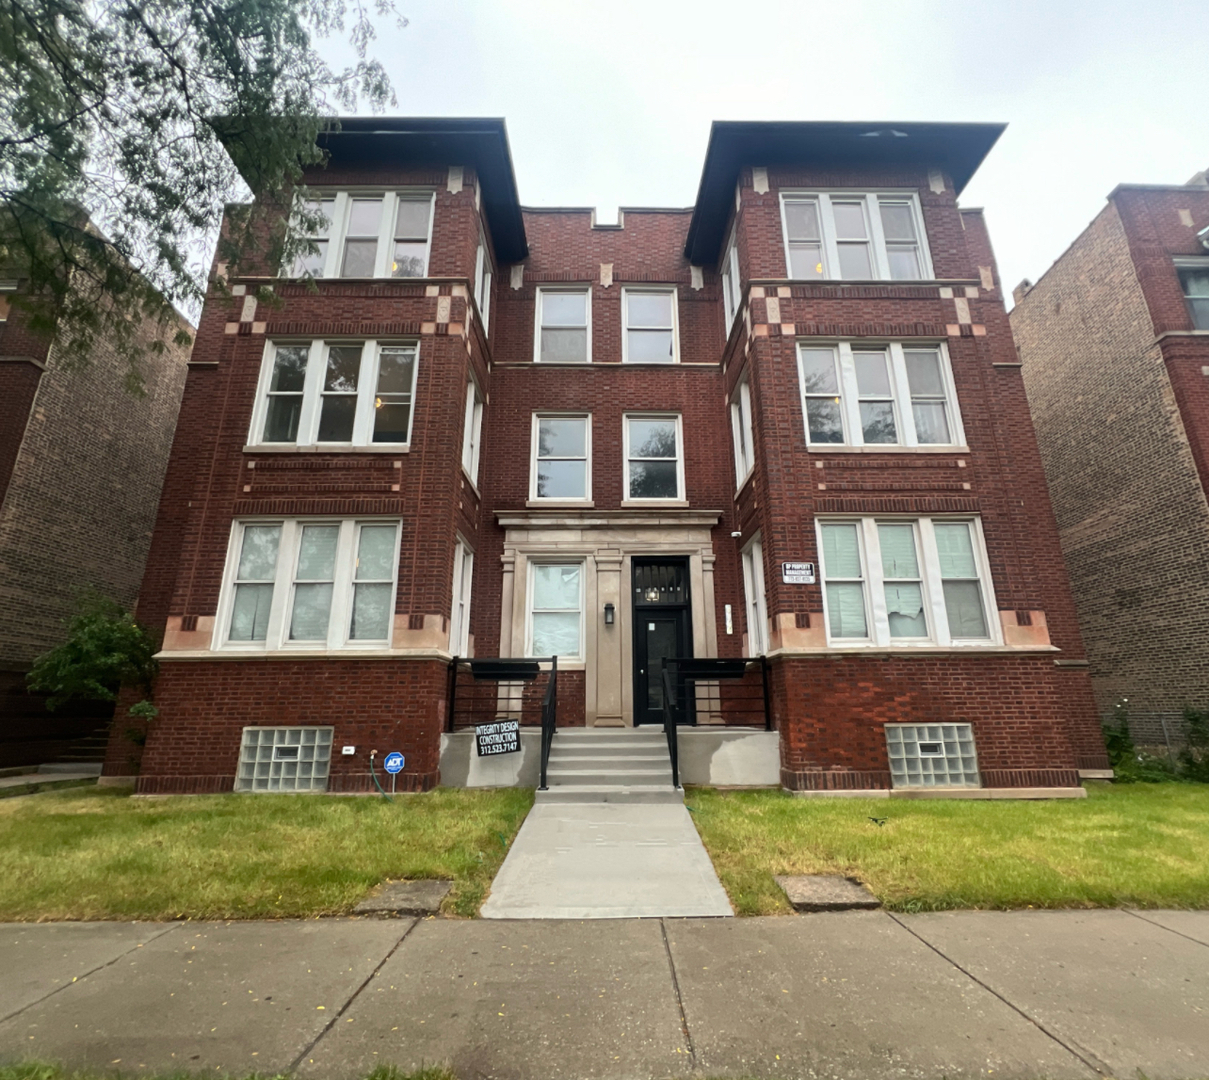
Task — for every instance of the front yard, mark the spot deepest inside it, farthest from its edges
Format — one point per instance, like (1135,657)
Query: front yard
(100,854)
(1143,845)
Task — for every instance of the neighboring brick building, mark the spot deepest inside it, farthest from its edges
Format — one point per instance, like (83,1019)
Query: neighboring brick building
(1115,344)
(82,462)
(495,431)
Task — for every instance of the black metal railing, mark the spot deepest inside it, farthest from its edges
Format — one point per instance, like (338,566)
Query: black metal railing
(549,717)
(734,691)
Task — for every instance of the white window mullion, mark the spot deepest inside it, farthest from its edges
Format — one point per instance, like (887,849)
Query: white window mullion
(875,583)
(386,235)
(312,386)
(850,396)
(342,586)
(953,409)
(989,604)
(933,592)
(830,248)
(881,261)
(367,381)
(902,395)
(287,558)
(335,247)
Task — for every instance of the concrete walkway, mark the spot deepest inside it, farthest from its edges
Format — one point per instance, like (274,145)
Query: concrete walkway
(857,995)
(606,860)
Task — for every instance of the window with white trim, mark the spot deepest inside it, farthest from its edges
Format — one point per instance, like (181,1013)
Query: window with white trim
(561,467)
(854,236)
(905,581)
(564,326)
(1194,278)
(741,429)
(556,610)
(336,392)
(732,290)
(369,235)
(459,623)
(314,584)
(654,462)
(482,281)
(756,603)
(862,394)
(472,431)
(649,330)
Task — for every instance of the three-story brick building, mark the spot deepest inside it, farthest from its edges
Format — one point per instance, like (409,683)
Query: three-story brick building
(496,431)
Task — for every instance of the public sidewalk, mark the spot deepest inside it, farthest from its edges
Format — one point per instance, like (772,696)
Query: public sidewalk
(863,995)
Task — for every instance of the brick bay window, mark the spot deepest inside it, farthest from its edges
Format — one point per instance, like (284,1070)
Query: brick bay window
(650,334)
(905,582)
(335,393)
(561,466)
(1194,278)
(654,459)
(309,584)
(555,610)
(564,326)
(379,234)
(854,236)
(878,395)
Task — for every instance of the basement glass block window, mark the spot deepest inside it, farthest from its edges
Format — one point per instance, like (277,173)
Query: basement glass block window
(932,755)
(284,759)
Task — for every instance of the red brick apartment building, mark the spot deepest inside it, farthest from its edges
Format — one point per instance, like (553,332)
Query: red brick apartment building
(495,431)
(1115,343)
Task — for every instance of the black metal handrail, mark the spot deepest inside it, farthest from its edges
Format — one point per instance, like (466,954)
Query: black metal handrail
(549,718)
(670,725)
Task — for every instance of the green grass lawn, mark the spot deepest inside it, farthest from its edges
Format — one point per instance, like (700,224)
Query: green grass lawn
(1144,845)
(100,854)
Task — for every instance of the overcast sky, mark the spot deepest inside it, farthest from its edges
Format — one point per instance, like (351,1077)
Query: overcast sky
(609,103)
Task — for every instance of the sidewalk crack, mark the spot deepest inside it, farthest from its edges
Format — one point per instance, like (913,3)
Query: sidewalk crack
(688,1038)
(310,1047)
(92,971)
(1178,933)
(1096,1066)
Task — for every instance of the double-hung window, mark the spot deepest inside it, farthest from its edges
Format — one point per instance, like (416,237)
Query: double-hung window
(654,458)
(649,330)
(854,236)
(482,281)
(905,581)
(309,584)
(564,326)
(459,623)
(878,395)
(1194,277)
(741,428)
(368,235)
(731,286)
(336,393)
(472,431)
(561,468)
(556,610)
(753,591)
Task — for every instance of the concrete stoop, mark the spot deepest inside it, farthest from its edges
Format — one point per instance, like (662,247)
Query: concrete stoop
(613,766)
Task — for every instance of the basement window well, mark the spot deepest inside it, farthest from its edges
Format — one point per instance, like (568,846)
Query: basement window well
(932,755)
(284,759)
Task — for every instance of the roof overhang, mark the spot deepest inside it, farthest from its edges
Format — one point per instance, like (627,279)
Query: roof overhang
(480,143)
(956,149)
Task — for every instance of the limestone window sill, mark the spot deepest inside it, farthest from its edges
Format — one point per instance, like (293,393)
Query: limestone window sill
(653,504)
(283,448)
(819,448)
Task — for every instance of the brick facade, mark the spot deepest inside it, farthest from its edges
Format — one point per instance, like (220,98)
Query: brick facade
(1116,380)
(1034,720)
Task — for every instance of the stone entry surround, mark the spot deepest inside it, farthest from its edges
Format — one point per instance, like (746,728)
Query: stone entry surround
(607,541)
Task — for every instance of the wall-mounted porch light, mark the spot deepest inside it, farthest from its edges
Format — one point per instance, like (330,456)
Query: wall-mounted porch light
(608,614)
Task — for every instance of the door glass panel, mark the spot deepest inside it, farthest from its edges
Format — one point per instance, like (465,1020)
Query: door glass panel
(660,642)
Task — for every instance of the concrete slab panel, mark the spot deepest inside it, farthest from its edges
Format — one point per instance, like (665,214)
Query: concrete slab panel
(826,892)
(406,898)
(730,758)
(1126,993)
(1192,924)
(845,995)
(461,765)
(37,959)
(543,1000)
(236,997)
(606,861)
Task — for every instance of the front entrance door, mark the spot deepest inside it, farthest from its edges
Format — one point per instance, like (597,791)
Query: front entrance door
(661,628)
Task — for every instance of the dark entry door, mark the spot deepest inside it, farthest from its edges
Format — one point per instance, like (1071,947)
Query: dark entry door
(661,629)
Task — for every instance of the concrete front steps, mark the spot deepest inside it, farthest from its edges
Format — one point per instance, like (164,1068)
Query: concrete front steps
(609,765)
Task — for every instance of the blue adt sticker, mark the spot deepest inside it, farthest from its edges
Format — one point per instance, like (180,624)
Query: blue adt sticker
(393,762)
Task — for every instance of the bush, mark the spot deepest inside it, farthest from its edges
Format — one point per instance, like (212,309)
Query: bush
(1129,765)
(1194,758)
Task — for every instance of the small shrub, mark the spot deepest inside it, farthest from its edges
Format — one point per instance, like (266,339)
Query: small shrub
(1194,758)
(1129,765)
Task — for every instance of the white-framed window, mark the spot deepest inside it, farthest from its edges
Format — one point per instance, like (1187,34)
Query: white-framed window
(858,393)
(482,280)
(854,236)
(351,393)
(564,326)
(741,429)
(756,604)
(654,457)
(649,330)
(370,234)
(732,289)
(1194,279)
(310,584)
(556,610)
(459,622)
(472,430)
(562,458)
(906,581)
